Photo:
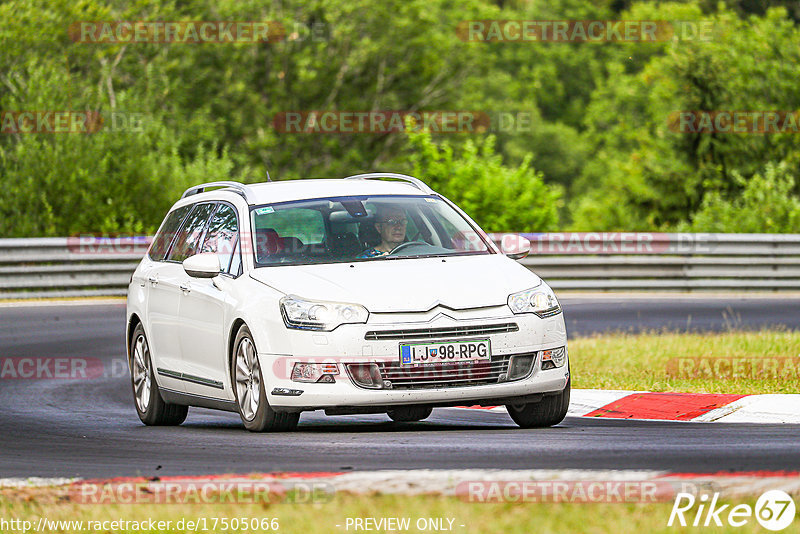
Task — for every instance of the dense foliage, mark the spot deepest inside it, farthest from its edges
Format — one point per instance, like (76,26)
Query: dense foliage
(595,151)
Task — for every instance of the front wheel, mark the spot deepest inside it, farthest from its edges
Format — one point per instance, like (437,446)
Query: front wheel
(549,411)
(251,398)
(150,406)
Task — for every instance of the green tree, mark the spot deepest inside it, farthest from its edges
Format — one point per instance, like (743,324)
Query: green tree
(500,198)
(643,175)
(767,203)
(597,112)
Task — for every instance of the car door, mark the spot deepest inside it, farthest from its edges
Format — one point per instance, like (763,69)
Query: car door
(162,298)
(203,308)
(166,295)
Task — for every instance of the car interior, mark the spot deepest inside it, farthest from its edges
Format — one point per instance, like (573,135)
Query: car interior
(343,232)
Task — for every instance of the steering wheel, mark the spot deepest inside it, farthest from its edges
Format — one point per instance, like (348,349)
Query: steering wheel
(407,244)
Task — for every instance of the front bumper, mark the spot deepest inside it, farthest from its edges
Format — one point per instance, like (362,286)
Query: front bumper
(347,344)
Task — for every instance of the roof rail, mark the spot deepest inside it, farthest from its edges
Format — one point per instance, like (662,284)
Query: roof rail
(416,182)
(237,187)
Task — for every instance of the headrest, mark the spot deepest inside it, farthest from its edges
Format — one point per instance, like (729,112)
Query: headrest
(268,242)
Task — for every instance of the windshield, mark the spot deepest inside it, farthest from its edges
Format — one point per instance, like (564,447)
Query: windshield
(363,228)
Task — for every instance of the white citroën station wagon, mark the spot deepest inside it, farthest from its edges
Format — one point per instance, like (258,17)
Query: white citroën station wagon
(369,294)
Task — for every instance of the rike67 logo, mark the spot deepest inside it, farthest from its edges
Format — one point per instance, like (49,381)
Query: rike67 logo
(774,510)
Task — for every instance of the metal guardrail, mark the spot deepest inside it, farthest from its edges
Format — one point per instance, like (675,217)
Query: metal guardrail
(654,261)
(68,267)
(65,267)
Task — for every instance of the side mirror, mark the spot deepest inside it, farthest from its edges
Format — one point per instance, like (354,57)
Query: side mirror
(515,246)
(205,265)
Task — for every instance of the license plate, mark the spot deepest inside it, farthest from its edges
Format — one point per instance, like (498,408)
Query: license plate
(445,352)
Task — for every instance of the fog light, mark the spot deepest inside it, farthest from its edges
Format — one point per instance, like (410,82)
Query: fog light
(366,375)
(314,372)
(520,366)
(553,358)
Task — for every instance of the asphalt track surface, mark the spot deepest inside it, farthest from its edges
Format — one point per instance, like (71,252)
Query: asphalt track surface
(88,428)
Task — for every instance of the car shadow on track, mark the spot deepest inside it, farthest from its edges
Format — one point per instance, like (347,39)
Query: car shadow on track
(317,423)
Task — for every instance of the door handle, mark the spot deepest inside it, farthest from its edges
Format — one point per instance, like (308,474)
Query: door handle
(153,280)
(185,287)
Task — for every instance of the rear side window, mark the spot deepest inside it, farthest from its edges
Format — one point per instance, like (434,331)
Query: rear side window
(189,237)
(222,236)
(160,245)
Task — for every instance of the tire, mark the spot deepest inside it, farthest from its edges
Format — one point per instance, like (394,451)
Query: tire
(550,411)
(152,409)
(248,387)
(408,414)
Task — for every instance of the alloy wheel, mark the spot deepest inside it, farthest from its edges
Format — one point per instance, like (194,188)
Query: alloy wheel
(248,379)
(141,373)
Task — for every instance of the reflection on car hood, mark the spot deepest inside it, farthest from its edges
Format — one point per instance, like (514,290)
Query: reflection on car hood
(405,285)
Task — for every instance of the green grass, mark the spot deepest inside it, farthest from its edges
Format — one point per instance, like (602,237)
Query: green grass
(766,361)
(505,518)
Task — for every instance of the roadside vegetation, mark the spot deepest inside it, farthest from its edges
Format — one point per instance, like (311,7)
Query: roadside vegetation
(766,361)
(579,140)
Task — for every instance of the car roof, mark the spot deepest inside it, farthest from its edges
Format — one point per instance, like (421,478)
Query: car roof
(272,192)
(305,189)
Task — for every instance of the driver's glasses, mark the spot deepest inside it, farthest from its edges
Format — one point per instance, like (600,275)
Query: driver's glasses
(394,221)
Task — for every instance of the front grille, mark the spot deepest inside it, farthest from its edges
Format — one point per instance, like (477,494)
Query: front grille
(441,375)
(441,333)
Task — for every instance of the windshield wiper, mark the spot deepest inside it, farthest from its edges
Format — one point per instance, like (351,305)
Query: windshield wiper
(441,255)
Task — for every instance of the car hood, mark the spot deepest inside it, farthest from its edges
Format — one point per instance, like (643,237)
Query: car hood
(405,285)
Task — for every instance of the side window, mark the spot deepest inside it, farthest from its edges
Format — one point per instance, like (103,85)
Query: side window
(188,240)
(158,249)
(222,237)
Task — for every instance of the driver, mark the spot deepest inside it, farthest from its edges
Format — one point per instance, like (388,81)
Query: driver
(391,224)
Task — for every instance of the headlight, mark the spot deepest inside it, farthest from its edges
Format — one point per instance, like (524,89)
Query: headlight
(318,315)
(540,300)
